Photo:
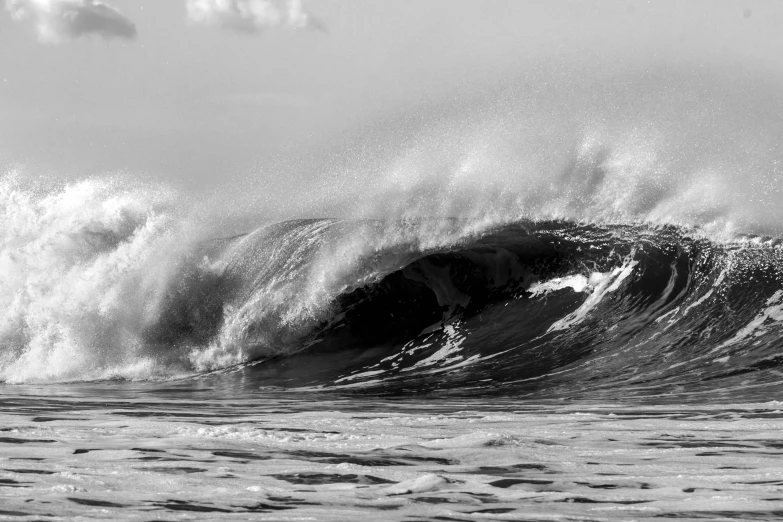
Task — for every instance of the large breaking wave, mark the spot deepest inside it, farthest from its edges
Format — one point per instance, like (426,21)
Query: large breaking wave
(515,308)
(119,288)
(514,246)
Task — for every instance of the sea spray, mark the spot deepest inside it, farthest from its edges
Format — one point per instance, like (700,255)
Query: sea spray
(82,269)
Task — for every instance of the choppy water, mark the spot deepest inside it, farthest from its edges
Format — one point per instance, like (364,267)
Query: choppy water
(204,450)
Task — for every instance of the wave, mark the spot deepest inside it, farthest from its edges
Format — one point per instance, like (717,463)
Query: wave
(103,280)
(561,235)
(555,307)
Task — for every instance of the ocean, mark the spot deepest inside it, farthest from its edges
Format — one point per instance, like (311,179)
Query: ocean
(510,367)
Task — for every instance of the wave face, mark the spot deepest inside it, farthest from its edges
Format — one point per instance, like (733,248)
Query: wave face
(103,281)
(553,307)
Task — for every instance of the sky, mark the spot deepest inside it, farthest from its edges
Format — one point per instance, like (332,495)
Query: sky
(193,94)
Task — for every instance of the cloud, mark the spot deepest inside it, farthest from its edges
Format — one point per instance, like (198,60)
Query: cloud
(59,20)
(251,16)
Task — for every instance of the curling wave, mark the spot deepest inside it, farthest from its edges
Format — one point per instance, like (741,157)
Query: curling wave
(579,259)
(525,307)
(121,287)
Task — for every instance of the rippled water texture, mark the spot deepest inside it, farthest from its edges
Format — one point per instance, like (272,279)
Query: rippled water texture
(202,450)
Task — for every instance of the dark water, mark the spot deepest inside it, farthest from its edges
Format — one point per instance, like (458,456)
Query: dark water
(534,310)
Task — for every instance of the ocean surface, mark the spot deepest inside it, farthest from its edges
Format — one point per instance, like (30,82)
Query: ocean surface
(393,369)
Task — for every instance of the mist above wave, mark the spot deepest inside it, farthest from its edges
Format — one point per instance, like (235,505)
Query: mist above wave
(659,144)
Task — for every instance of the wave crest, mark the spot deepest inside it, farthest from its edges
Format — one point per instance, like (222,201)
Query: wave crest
(81,272)
(102,279)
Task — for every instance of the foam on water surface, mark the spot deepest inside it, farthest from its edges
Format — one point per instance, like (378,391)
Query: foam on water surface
(146,454)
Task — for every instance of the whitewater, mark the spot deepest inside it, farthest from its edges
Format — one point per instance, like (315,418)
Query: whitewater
(563,303)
